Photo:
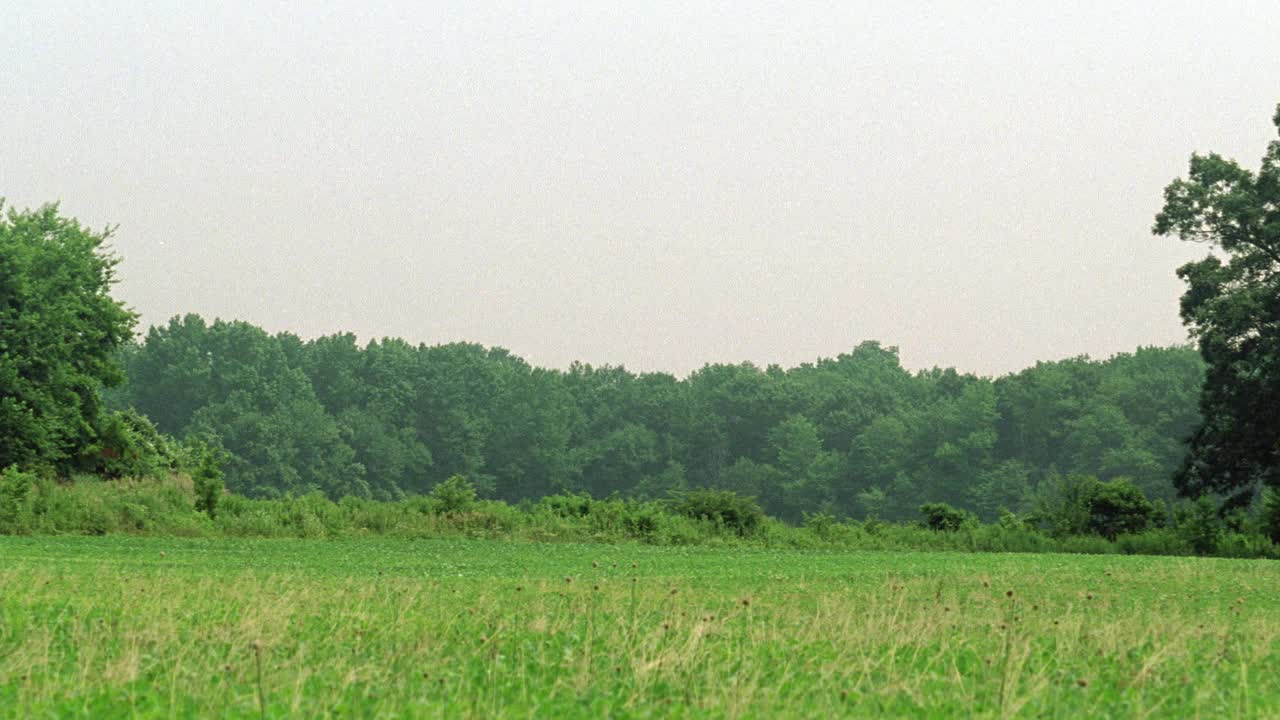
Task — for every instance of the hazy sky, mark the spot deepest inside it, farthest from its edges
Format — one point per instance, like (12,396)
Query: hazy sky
(655,185)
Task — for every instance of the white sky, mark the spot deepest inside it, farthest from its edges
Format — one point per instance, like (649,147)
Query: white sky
(658,185)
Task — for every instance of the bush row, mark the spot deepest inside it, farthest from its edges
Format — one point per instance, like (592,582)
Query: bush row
(87,505)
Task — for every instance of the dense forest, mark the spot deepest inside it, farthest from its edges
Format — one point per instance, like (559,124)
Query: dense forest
(856,435)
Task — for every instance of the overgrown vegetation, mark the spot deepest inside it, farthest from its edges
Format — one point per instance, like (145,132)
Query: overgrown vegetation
(176,507)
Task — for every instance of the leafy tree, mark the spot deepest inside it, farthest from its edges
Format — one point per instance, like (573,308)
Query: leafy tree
(670,481)
(59,333)
(1232,307)
(872,502)
(1083,504)
(1118,507)
(1003,487)
(752,479)
(810,472)
(230,383)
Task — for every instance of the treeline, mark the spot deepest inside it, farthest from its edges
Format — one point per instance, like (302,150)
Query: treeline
(852,436)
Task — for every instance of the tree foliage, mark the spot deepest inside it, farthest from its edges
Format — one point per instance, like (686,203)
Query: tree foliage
(854,435)
(1232,307)
(60,331)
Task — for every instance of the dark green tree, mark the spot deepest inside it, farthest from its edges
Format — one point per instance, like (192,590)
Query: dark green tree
(60,330)
(944,518)
(1118,507)
(230,383)
(1232,307)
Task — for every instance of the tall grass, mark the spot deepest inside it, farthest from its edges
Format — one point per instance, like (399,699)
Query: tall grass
(152,627)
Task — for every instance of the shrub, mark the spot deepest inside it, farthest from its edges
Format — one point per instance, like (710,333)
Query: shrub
(129,445)
(208,483)
(455,495)
(1010,535)
(820,524)
(1270,519)
(1199,525)
(643,520)
(724,508)
(1159,541)
(944,518)
(567,505)
(15,489)
(1242,545)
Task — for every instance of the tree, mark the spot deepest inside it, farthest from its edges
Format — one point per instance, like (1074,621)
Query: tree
(59,333)
(1119,507)
(230,383)
(809,471)
(1232,307)
(1081,504)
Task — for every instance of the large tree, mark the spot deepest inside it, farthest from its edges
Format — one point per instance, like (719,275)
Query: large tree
(59,333)
(1232,306)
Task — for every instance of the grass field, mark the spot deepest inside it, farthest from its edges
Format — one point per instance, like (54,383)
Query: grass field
(133,627)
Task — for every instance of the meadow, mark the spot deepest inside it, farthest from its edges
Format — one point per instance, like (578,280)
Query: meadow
(122,626)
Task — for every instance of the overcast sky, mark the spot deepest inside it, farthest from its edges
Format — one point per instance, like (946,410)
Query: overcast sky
(648,184)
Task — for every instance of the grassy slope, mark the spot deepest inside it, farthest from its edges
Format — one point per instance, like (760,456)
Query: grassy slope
(127,626)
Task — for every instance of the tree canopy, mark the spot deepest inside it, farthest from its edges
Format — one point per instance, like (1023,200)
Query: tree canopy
(1232,307)
(853,435)
(60,331)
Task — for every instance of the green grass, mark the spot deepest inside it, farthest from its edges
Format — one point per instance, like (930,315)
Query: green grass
(150,627)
